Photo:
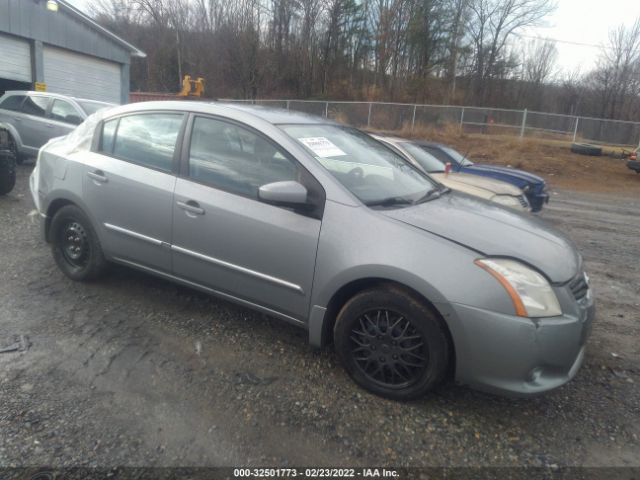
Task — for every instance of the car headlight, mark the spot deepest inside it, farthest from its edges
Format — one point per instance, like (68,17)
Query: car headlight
(507,201)
(530,292)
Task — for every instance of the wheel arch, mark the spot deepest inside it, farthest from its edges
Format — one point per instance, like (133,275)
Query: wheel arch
(14,133)
(59,200)
(323,336)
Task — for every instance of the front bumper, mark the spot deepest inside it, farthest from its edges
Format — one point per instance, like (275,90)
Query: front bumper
(520,356)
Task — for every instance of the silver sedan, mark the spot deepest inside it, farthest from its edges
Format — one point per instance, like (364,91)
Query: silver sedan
(322,226)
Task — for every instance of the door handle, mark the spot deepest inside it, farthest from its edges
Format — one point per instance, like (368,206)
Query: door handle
(191,207)
(48,125)
(98,176)
(17,119)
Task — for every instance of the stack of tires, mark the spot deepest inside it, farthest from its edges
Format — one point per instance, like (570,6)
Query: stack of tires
(8,155)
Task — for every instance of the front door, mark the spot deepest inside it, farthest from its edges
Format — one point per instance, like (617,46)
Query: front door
(128,187)
(228,240)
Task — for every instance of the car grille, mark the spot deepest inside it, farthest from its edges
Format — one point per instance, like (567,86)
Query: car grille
(579,286)
(523,201)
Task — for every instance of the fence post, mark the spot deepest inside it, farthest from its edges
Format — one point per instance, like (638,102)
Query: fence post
(524,123)
(575,130)
(369,116)
(462,119)
(326,109)
(288,105)
(413,119)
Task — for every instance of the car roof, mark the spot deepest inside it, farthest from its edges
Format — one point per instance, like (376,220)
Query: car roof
(278,115)
(275,116)
(392,139)
(56,95)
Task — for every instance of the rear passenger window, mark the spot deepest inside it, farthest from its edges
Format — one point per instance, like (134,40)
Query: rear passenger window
(65,112)
(13,103)
(235,159)
(35,106)
(148,139)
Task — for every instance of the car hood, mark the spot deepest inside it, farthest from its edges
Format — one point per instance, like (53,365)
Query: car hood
(493,186)
(493,230)
(514,172)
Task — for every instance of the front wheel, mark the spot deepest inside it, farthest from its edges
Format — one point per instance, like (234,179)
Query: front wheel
(75,245)
(391,343)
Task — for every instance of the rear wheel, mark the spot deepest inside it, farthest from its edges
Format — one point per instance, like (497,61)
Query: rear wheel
(75,245)
(8,155)
(391,343)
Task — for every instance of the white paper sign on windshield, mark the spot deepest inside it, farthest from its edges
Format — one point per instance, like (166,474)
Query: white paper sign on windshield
(322,147)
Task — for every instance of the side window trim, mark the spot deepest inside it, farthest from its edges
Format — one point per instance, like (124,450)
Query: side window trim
(177,150)
(315,188)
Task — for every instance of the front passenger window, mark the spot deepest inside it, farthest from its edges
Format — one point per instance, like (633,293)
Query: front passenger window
(148,139)
(235,159)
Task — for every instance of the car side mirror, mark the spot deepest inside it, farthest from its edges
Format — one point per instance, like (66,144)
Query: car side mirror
(288,193)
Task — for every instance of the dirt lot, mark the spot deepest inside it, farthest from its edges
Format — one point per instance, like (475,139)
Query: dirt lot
(132,370)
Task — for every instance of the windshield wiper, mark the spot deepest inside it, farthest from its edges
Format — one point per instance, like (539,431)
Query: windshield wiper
(433,194)
(389,202)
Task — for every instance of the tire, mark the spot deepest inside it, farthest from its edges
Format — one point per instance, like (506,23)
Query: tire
(75,245)
(634,165)
(586,149)
(377,358)
(7,172)
(8,156)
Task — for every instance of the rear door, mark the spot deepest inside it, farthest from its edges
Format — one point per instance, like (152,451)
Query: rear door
(35,129)
(228,240)
(128,187)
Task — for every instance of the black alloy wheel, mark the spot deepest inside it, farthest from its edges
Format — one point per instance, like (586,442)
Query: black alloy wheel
(392,342)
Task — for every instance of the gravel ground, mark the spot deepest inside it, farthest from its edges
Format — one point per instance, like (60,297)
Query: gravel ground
(132,370)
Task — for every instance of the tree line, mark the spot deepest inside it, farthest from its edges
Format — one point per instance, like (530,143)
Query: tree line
(467,52)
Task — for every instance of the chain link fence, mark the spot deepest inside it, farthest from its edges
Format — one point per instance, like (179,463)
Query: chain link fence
(522,123)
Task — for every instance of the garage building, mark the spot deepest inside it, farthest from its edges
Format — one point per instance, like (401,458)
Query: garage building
(55,45)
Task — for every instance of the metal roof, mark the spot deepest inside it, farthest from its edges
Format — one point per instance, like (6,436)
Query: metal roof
(68,8)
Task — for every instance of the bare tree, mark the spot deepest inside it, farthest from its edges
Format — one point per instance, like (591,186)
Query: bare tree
(616,77)
(491,24)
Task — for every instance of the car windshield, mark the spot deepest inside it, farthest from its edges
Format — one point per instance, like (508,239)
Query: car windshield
(427,161)
(92,107)
(372,172)
(456,156)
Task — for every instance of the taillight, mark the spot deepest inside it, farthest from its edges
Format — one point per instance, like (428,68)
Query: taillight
(633,156)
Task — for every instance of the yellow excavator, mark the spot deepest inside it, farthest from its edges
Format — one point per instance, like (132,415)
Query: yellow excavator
(192,88)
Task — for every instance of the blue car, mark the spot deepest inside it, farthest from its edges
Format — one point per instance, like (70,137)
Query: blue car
(533,186)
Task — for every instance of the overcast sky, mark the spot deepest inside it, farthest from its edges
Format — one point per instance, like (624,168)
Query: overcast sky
(577,21)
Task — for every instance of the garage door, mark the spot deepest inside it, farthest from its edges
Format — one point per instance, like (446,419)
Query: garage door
(81,76)
(16,59)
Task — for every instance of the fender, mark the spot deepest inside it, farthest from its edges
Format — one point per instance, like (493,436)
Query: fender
(68,197)
(318,322)
(14,133)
